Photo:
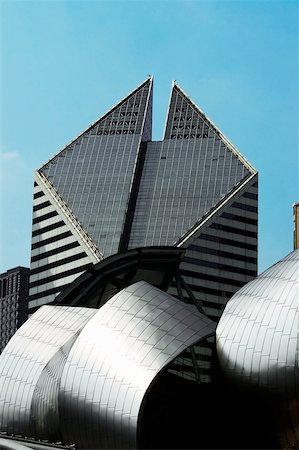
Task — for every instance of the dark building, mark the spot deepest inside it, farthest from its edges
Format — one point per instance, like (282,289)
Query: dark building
(113,189)
(14,288)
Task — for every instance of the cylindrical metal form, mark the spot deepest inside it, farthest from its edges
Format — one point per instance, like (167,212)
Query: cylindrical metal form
(257,341)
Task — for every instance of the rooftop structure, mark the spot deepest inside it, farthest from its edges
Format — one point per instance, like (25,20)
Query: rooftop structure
(113,189)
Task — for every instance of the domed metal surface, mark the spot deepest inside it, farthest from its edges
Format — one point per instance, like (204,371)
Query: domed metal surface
(257,336)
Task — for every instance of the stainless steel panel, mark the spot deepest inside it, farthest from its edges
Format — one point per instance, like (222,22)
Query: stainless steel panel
(122,364)
(271,357)
(30,370)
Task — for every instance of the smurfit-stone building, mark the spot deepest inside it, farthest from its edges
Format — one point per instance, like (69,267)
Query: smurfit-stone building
(113,189)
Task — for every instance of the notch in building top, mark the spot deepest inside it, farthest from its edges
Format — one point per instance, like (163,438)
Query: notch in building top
(185,120)
(133,116)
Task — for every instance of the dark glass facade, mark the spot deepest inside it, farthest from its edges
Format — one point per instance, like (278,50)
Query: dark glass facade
(14,289)
(114,189)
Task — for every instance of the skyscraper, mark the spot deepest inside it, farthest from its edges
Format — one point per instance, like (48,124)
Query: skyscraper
(113,189)
(14,288)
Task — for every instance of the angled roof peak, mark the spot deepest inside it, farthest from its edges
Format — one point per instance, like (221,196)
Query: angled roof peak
(129,116)
(185,120)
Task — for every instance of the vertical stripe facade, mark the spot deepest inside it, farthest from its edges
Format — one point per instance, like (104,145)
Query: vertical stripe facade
(114,189)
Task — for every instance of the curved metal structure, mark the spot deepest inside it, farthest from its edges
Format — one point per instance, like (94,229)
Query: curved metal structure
(81,375)
(30,370)
(257,337)
(115,360)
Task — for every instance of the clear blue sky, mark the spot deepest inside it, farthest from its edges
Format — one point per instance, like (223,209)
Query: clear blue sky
(65,63)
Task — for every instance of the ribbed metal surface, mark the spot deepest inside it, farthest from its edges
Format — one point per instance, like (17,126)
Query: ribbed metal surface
(257,338)
(258,331)
(81,375)
(117,357)
(30,370)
